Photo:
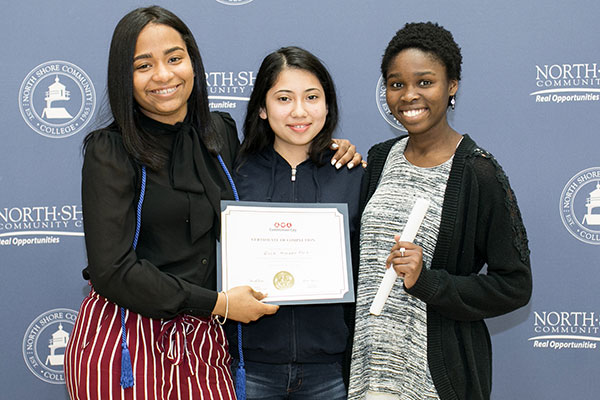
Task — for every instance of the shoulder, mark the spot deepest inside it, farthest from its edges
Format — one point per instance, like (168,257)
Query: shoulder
(351,178)
(382,149)
(472,150)
(492,182)
(104,150)
(226,128)
(224,116)
(339,185)
(106,141)
(377,156)
(254,165)
(481,161)
(224,122)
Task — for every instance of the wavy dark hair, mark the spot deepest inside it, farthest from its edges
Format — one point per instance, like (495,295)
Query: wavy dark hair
(140,145)
(430,38)
(258,134)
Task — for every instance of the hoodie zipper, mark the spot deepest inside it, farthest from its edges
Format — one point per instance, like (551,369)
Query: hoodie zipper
(294,348)
(294,343)
(293,179)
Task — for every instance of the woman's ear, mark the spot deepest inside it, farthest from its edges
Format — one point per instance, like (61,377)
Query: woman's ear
(262,113)
(453,87)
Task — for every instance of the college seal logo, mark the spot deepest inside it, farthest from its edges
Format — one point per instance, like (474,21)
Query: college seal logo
(283,280)
(234,2)
(45,341)
(580,205)
(57,99)
(383,108)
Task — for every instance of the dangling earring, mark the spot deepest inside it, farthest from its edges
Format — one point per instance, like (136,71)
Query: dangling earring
(452,102)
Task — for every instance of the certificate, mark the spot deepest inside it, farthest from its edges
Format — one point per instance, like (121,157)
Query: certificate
(296,253)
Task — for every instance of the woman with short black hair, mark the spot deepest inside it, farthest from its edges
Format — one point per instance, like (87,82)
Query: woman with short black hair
(431,341)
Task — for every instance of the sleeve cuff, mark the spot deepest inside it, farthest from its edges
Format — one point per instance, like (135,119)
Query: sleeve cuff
(201,303)
(426,286)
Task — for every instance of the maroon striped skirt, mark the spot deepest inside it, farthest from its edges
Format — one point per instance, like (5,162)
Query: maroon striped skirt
(182,358)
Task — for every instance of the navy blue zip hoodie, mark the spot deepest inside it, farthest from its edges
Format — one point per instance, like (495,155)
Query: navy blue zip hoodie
(302,334)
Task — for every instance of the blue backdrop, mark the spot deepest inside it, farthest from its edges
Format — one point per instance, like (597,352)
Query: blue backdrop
(530,94)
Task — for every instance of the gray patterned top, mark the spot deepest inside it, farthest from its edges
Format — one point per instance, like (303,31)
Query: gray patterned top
(390,350)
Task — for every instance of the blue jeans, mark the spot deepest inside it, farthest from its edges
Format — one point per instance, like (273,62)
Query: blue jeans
(293,381)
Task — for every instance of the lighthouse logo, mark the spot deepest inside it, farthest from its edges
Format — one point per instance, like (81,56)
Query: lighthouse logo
(45,341)
(580,205)
(57,99)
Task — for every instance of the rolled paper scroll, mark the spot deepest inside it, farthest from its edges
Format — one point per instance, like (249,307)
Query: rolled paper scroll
(408,235)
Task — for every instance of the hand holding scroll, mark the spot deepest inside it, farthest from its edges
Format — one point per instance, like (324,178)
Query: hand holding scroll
(407,263)
(408,235)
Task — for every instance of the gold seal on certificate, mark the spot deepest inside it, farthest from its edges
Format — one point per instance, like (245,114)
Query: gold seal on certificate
(295,253)
(283,280)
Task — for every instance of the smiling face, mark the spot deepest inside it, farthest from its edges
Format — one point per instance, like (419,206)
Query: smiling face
(163,76)
(417,91)
(296,109)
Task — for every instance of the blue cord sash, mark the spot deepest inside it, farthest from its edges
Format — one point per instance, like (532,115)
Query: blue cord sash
(126,367)
(240,376)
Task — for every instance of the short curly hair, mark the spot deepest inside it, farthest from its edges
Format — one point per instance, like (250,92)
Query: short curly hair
(430,38)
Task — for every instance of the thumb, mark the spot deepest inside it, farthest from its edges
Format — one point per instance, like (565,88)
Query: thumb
(258,295)
(270,308)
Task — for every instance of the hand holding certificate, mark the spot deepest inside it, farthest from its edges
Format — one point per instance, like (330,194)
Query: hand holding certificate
(297,254)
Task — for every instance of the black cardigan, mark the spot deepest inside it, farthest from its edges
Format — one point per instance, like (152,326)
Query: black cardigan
(481,224)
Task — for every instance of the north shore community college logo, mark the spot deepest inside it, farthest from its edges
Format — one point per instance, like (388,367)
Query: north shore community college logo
(563,330)
(234,2)
(45,341)
(383,108)
(227,88)
(39,225)
(567,83)
(580,205)
(57,99)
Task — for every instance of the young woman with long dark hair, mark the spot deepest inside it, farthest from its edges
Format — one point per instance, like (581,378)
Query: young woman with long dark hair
(300,351)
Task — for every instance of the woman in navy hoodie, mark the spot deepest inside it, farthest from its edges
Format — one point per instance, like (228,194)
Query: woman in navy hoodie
(298,353)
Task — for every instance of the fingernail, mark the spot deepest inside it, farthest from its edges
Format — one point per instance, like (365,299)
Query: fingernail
(350,165)
(333,161)
(334,146)
(338,165)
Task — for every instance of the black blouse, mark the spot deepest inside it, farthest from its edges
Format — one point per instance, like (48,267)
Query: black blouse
(172,271)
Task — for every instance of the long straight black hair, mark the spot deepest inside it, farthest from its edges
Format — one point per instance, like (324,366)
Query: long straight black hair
(124,109)
(258,134)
